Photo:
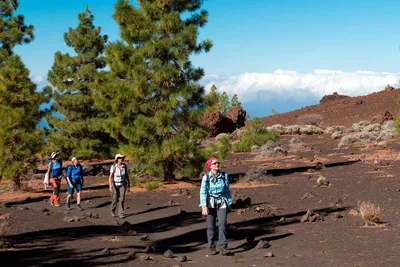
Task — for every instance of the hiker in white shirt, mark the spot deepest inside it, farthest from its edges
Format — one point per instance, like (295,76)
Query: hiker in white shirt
(119,184)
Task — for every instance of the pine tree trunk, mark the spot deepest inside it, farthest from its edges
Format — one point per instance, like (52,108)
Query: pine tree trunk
(17,182)
(169,175)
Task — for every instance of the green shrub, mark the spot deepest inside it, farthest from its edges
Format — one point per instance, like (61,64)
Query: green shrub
(151,185)
(219,149)
(274,112)
(136,170)
(134,182)
(224,147)
(389,88)
(397,124)
(254,135)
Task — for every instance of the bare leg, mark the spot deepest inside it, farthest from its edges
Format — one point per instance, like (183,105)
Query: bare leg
(78,198)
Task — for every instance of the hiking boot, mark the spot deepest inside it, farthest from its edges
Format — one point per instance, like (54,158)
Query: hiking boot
(213,250)
(224,251)
(113,214)
(68,206)
(57,205)
(79,207)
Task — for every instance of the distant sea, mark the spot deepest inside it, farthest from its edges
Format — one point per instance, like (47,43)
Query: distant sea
(262,109)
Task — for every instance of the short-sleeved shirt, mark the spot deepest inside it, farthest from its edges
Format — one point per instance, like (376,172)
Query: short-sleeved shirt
(119,175)
(74,172)
(55,168)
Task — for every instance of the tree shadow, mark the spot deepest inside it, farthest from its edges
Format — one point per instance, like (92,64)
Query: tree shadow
(30,200)
(251,245)
(92,197)
(101,205)
(149,210)
(58,255)
(235,177)
(48,248)
(27,200)
(96,187)
(243,230)
(318,166)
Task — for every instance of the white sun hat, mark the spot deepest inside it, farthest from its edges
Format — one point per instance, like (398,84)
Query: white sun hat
(74,158)
(119,156)
(54,154)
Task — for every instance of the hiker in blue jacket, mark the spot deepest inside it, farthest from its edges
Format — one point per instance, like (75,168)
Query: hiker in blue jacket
(74,181)
(215,199)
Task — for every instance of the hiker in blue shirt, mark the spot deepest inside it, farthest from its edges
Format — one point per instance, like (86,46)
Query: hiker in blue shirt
(74,181)
(55,171)
(215,199)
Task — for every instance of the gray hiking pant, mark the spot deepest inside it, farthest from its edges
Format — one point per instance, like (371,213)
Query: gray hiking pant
(222,226)
(118,198)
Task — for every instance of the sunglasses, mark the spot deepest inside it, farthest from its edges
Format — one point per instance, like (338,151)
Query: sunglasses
(215,163)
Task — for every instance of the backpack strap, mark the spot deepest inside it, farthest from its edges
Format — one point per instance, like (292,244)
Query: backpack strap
(115,165)
(51,167)
(68,169)
(223,174)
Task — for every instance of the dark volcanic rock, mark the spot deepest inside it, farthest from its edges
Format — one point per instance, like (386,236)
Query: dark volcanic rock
(131,255)
(168,254)
(144,237)
(92,170)
(105,251)
(224,123)
(181,258)
(237,115)
(263,244)
(332,97)
(210,120)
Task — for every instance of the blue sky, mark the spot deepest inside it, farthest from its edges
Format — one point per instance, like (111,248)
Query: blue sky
(297,38)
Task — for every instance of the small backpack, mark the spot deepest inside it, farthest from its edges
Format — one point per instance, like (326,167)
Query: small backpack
(209,178)
(116,166)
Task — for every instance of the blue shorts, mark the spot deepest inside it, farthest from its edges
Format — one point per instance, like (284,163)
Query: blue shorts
(77,185)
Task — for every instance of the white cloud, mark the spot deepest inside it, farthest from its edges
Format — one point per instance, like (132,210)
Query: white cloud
(289,84)
(40,81)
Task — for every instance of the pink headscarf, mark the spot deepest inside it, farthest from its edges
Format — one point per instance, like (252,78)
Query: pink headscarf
(209,161)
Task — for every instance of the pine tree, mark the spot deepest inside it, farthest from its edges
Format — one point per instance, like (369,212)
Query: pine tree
(224,103)
(213,98)
(235,101)
(20,139)
(79,131)
(153,92)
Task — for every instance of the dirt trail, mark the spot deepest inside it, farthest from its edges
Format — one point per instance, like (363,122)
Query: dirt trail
(42,235)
